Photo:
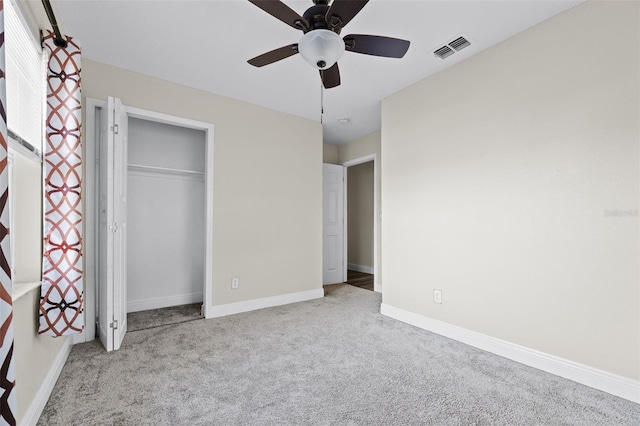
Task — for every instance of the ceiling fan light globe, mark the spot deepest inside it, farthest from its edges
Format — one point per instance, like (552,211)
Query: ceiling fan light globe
(321,48)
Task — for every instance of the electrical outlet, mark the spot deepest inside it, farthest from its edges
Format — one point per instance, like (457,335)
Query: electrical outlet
(235,282)
(437,296)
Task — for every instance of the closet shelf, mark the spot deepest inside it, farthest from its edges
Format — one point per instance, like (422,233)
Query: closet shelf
(165,170)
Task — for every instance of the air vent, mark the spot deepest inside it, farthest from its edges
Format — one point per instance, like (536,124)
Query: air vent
(459,44)
(452,47)
(443,52)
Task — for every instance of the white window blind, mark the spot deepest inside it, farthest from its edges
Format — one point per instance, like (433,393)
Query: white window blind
(25,78)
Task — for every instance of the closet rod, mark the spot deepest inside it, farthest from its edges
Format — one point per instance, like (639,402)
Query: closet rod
(140,167)
(58,39)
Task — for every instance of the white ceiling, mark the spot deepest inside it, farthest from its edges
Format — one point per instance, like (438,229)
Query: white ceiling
(206,45)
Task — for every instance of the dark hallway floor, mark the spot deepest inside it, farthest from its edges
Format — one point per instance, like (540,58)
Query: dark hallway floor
(360,279)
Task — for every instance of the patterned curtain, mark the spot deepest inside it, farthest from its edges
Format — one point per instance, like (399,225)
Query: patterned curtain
(61,299)
(7,377)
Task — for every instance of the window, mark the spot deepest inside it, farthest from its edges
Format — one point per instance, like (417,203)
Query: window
(25,79)
(25,84)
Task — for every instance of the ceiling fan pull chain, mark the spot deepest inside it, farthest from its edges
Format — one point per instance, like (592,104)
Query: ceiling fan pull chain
(321,103)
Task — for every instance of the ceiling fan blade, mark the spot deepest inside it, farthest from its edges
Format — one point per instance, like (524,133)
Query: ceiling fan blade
(281,11)
(274,56)
(387,47)
(330,77)
(342,11)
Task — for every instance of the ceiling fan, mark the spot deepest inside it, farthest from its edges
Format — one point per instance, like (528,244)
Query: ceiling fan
(321,45)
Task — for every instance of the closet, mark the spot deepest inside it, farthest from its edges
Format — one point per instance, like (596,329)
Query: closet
(149,217)
(166,215)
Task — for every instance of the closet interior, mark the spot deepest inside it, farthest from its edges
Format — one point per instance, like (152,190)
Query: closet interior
(166,215)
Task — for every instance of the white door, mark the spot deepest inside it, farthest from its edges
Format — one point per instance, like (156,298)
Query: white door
(332,223)
(112,233)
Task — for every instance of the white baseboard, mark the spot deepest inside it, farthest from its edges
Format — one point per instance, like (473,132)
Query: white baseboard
(267,302)
(40,400)
(163,302)
(360,268)
(598,379)
(79,338)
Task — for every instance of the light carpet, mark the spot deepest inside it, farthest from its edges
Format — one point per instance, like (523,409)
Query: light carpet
(330,361)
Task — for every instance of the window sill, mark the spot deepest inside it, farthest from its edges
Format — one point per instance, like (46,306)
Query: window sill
(20,289)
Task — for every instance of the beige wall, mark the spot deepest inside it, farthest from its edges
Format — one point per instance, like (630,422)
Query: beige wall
(360,192)
(34,354)
(267,183)
(498,173)
(359,148)
(329,154)
(362,147)
(27,221)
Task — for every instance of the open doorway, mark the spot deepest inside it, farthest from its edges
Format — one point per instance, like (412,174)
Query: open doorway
(359,195)
(360,223)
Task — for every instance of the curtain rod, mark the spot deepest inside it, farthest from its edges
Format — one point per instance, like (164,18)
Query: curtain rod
(58,39)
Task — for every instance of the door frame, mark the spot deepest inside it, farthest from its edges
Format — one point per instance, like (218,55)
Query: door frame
(377,285)
(90,198)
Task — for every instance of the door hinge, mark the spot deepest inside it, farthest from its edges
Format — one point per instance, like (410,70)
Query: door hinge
(114,324)
(113,227)
(116,129)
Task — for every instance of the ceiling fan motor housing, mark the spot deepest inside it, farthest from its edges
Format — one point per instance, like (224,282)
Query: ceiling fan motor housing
(316,16)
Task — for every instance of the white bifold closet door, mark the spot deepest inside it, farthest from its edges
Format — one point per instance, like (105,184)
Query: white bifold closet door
(166,214)
(112,233)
